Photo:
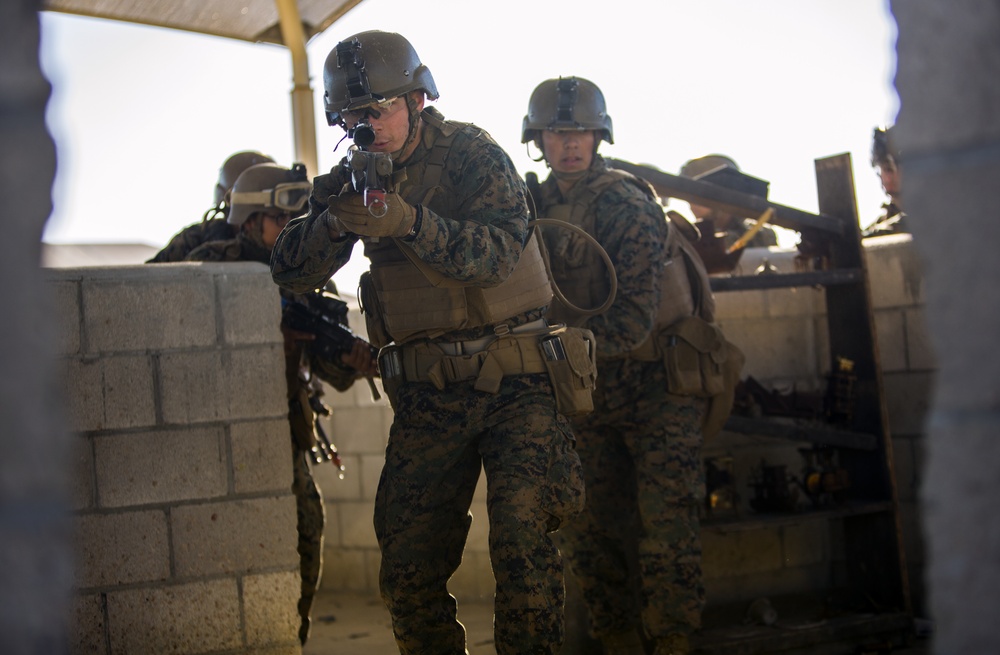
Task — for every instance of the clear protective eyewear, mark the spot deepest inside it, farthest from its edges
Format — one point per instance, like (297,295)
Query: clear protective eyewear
(290,197)
(375,110)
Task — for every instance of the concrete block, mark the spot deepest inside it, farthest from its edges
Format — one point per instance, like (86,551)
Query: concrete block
(359,431)
(262,456)
(219,385)
(920,351)
(908,398)
(479,533)
(236,536)
(744,305)
(797,301)
(117,549)
(290,649)
(65,302)
(86,629)
(141,313)
(334,488)
(110,393)
(891,335)
(480,493)
(199,617)
(904,468)
(192,387)
(805,544)
(726,555)
(346,569)
(82,481)
(249,307)
(270,608)
(356,527)
(371,472)
(474,578)
(776,347)
(256,377)
(162,466)
(895,274)
(331,526)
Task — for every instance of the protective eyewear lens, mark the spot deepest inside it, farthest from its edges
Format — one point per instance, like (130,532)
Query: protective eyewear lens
(292,197)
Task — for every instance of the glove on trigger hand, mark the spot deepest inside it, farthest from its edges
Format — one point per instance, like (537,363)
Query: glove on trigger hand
(350,210)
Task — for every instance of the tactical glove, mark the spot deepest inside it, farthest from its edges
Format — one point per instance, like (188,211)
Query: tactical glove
(351,213)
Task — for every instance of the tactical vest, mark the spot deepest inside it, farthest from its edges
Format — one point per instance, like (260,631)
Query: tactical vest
(576,266)
(413,300)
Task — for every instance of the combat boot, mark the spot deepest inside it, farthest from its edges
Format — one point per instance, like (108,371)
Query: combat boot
(675,644)
(622,643)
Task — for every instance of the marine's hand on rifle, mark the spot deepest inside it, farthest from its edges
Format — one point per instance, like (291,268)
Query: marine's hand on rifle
(351,212)
(360,359)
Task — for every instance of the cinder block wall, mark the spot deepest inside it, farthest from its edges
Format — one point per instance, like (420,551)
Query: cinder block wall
(185,520)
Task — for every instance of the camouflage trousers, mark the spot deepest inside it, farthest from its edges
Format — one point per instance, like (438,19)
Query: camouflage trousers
(438,444)
(311,518)
(635,549)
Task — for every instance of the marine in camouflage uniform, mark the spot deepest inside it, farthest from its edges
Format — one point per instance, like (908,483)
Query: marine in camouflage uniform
(885,161)
(457,215)
(732,228)
(303,368)
(213,225)
(641,446)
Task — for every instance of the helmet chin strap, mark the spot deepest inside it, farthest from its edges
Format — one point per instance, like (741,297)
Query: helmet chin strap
(411,136)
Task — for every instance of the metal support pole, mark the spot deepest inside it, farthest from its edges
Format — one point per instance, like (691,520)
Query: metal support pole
(303,114)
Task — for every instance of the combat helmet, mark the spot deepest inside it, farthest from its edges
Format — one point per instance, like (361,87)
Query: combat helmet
(883,151)
(695,168)
(371,67)
(269,187)
(231,169)
(567,103)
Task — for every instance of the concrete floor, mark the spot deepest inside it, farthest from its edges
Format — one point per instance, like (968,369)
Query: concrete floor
(353,623)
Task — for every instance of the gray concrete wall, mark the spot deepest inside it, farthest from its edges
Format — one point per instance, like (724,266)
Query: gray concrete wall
(948,131)
(35,556)
(185,524)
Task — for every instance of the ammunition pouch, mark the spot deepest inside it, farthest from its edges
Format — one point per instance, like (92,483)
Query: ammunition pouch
(378,335)
(693,353)
(700,362)
(527,349)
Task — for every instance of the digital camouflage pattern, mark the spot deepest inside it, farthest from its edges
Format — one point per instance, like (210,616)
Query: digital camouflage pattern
(182,243)
(631,229)
(645,484)
(422,518)
(473,230)
(640,447)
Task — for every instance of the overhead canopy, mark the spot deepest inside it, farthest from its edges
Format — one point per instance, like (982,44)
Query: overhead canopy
(290,23)
(247,20)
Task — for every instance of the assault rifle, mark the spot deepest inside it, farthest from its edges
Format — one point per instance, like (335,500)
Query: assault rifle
(324,315)
(370,172)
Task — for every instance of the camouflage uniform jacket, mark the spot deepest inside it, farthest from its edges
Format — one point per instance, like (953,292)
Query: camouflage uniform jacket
(473,230)
(185,241)
(631,228)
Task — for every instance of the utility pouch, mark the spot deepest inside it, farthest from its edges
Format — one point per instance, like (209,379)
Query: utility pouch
(378,336)
(390,367)
(570,356)
(302,420)
(694,355)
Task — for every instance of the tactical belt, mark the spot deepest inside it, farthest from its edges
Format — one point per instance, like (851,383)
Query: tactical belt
(487,360)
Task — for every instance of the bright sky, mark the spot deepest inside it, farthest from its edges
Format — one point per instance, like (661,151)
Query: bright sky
(144,117)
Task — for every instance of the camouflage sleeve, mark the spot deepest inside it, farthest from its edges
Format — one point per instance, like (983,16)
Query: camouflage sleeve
(482,240)
(191,237)
(216,251)
(632,229)
(306,254)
